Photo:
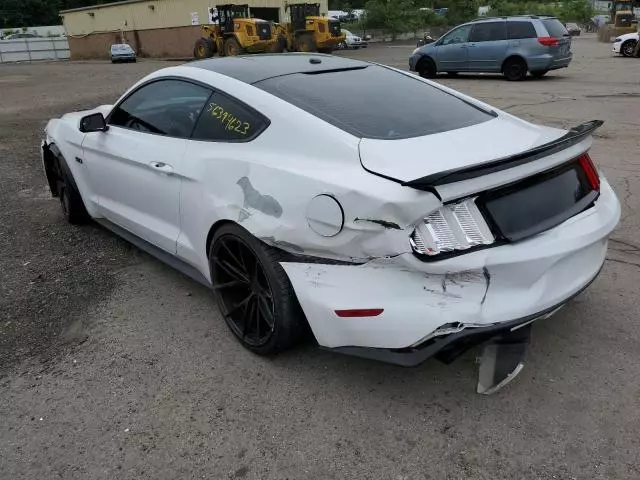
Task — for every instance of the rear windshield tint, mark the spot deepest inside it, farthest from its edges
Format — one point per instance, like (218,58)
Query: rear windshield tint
(555,27)
(375,102)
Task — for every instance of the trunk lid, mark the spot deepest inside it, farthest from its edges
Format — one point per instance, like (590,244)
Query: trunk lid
(412,158)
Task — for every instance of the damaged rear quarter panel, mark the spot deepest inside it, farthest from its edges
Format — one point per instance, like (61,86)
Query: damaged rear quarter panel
(267,188)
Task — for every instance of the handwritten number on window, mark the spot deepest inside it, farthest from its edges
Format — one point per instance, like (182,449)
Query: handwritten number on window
(228,120)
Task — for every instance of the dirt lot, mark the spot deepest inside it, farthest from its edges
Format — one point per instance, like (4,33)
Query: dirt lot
(114,366)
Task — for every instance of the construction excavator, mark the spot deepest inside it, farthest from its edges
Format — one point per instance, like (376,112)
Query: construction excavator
(621,21)
(234,32)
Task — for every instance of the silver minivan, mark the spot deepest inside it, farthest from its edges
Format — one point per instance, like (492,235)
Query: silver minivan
(512,46)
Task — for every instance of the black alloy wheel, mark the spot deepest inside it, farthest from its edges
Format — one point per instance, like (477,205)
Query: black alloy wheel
(253,291)
(427,68)
(243,291)
(515,69)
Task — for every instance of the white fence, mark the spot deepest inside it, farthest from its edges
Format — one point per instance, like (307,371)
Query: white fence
(30,49)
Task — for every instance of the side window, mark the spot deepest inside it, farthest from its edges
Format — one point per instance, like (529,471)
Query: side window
(459,35)
(164,107)
(516,30)
(225,119)
(488,32)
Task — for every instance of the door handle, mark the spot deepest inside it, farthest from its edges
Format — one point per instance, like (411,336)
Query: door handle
(162,167)
(472,45)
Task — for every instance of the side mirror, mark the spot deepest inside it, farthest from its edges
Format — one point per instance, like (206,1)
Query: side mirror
(93,123)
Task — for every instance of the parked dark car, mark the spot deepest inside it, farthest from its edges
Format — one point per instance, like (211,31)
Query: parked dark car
(573,29)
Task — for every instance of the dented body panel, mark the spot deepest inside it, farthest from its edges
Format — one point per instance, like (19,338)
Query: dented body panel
(486,287)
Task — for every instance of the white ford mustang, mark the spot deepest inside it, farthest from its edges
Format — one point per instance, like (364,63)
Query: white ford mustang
(395,217)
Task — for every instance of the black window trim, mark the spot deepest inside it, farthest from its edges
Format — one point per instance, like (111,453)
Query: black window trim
(212,91)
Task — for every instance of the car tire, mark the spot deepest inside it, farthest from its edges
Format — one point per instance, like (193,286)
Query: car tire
(539,73)
(305,43)
(426,68)
(627,48)
(253,291)
(71,202)
(514,69)
(232,47)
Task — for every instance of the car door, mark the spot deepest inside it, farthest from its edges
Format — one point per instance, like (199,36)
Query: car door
(452,50)
(135,166)
(487,46)
(216,169)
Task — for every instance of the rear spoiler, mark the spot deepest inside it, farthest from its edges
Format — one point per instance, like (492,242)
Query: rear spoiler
(573,136)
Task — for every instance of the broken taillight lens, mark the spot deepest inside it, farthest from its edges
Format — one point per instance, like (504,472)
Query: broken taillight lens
(457,226)
(590,171)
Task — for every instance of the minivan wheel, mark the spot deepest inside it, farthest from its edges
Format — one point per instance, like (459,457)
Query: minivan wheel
(427,68)
(515,69)
(539,73)
(253,291)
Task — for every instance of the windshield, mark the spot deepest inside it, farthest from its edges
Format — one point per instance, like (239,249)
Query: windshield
(375,102)
(121,47)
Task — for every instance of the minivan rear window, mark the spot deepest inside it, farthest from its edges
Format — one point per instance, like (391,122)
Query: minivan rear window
(375,102)
(555,27)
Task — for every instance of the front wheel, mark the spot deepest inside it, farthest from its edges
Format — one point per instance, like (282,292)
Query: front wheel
(232,48)
(539,73)
(427,68)
(306,43)
(515,69)
(628,47)
(71,202)
(204,48)
(253,291)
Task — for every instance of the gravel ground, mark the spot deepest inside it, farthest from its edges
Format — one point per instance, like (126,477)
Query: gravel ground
(114,366)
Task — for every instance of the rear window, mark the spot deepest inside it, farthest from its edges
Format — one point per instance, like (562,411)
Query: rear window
(555,27)
(375,102)
(516,30)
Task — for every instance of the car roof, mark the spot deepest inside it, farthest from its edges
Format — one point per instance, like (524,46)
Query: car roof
(510,18)
(256,68)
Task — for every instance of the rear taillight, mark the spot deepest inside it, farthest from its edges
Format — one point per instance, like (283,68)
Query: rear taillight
(590,170)
(457,226)
(549,41)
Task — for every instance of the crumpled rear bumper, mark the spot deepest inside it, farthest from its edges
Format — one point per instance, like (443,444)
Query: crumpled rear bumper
(481,291)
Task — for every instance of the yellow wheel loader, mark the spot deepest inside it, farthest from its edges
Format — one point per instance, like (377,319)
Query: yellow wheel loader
(308,31)
(233,32)
(622,21)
